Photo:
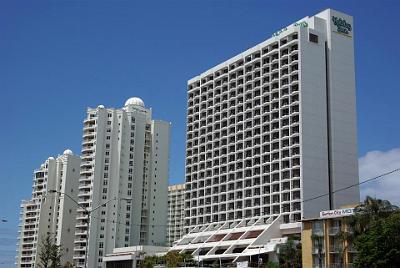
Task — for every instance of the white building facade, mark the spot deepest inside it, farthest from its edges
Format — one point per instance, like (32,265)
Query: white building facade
(176,212)
(275,126)
(49,213)
(124,156)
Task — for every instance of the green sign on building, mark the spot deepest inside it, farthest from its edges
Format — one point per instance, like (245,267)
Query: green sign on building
(342,26)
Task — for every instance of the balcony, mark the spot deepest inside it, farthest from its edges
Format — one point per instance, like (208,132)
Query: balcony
(335,248)
(81,232)
(335,230)
(318,232)
(337,265)
(80,240)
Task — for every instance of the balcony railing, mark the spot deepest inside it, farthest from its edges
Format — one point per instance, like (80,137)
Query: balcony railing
(334,230)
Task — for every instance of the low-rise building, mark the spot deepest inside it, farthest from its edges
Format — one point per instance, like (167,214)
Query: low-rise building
(130,257)
(325,240)
(253,240)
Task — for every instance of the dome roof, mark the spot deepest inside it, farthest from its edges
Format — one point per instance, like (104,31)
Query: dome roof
(68,152)
(100,106)
(134,101)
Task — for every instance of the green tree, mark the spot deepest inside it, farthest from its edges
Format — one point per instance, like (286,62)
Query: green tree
(376,236)
(271,264)
(289,254)
(68,265)
(369,211)
(187,259)
(49,253)
(149,262)
(173,258)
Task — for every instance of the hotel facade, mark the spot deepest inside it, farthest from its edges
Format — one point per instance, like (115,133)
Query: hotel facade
(48,213)
(268,131)
(125,156)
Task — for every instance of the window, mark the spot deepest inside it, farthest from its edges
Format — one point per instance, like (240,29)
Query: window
(313,38)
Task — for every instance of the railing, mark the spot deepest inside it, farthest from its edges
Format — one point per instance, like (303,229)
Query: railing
(335,248)
(337,265)
(334,230)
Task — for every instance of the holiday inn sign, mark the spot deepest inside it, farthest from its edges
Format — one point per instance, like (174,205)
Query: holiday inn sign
(342,26)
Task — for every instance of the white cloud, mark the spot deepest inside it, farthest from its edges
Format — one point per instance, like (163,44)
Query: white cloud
(375,163)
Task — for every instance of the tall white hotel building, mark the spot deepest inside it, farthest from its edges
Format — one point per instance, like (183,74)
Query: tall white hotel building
(274,126)
(49,213)
(124,156)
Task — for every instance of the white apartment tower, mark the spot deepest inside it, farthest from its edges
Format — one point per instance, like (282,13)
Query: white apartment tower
(275,126)
(176,212)
(49,213)
(124,156)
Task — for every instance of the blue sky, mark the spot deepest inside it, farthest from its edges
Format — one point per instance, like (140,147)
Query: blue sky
(59,57)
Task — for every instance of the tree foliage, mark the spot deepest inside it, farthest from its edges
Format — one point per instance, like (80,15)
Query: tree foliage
(150,261)
(376,237)
(271,264)
(49,253)
(289,254)
(171,259)
(368,212)
(68,265)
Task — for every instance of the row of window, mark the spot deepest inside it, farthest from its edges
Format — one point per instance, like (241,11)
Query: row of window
(285,44)
(276,210)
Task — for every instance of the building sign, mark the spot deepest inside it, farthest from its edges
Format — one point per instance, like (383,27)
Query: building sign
(336,213)
(242,264)
(299,23)
(342,26)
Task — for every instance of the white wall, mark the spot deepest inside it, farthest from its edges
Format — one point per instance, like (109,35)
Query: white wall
(343,121)
(314,146)
(159,183)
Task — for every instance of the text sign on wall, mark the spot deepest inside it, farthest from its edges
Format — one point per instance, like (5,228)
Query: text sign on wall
(242,264)
(342,26)
(299,23)
(336,213)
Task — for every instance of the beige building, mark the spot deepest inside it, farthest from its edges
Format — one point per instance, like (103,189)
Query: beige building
(176,212)
(324,242)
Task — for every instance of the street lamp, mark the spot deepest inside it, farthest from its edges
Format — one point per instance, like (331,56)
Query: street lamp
(88,212)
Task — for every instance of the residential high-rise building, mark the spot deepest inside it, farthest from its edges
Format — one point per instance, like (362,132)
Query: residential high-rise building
(124,156)
(176,212)
(275,126)
(48,213)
